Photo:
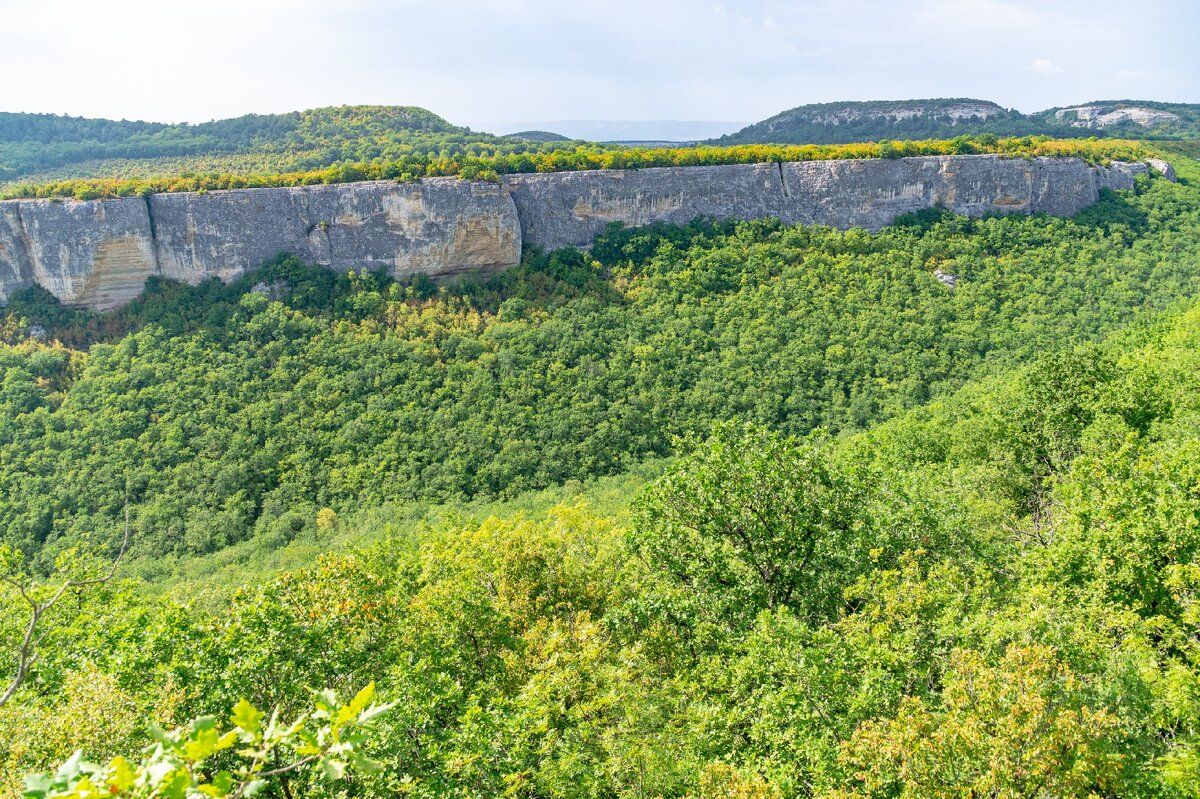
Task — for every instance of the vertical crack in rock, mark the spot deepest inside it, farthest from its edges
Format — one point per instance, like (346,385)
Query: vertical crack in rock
(16,272)
(26,239)
(783,180)
(153,236)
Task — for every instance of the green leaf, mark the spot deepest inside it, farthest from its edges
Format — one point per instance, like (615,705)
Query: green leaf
(326,701)
(157,773)
(365,764)
(159,734)
(122,775)
(363,698)
(373,712)
(203,723)
(254,787)
(177,788)
(69,771)
(334,769)
(37,785)
(200,745)
(246,717)
(221,785)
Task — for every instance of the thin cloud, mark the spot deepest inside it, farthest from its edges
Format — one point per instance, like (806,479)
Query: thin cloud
(1044,66)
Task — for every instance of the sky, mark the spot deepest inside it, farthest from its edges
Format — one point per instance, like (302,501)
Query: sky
(486,62)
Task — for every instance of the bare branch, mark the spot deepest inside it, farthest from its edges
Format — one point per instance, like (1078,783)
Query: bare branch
(241,791)
(27,651)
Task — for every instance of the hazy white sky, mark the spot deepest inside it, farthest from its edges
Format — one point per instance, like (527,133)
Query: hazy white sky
(494,60)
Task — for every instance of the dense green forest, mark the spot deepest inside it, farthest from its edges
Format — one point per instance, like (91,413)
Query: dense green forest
(836,123)
(833,527)
(228,416)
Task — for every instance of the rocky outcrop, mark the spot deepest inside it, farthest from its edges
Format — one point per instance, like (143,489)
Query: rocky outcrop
(571,208)
(1163,168)
(561,209)
(441,226)
(1096,116)
(871,194)
(98,254)
(16,272)
(95,254)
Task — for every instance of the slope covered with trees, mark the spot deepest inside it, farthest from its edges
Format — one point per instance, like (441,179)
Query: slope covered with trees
(900,538)
(228,416)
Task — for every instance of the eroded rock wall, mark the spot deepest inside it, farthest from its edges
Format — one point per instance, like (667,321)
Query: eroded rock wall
(872,194)
(440,226)
(569,209)
(95,254)
(561,209)
(98,254)
(16,272)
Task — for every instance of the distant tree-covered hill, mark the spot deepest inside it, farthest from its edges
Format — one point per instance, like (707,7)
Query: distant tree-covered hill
(836,123)
(61,146)
(1140,119)
(537,135)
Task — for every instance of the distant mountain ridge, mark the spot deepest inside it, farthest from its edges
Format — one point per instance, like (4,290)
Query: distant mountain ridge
(46,148)
(845,122)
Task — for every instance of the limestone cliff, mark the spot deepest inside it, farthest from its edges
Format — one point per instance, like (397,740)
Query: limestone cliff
(871,194)
(562,209)
(95,254)
(98,254)
(570,208)
(440,226)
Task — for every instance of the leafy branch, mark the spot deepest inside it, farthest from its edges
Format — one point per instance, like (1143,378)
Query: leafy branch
(328,739)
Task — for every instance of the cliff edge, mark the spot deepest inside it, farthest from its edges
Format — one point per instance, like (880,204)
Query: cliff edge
(98,253)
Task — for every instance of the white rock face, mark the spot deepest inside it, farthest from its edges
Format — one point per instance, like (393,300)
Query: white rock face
(1092,116)
(946,278)
(1162,168)
(841,116)
(97,254)
(438,226)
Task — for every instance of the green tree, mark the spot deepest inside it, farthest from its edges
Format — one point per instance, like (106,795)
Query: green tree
(753,520)
(1024,727)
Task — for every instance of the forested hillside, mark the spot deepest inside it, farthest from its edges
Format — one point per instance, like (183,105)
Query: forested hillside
(37,147)
(230,416)
(920,513)
(833,123)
